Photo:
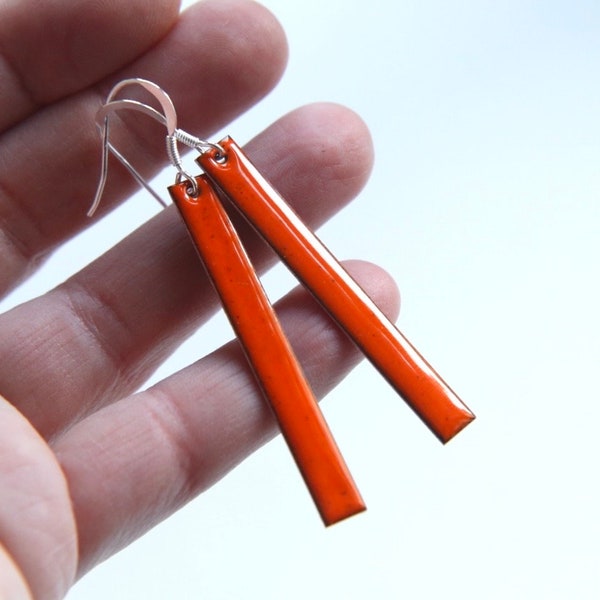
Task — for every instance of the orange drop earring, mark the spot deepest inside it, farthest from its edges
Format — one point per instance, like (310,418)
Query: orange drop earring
(228,171)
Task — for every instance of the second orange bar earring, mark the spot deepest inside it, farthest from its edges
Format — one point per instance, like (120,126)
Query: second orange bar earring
(298,247)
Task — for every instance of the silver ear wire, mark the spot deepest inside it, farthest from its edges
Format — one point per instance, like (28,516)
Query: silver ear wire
(168,118)
(106,147)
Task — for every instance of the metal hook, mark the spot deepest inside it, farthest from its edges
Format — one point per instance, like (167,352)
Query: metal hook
(168,118)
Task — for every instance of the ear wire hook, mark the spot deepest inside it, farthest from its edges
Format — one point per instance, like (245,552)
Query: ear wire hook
(168,118)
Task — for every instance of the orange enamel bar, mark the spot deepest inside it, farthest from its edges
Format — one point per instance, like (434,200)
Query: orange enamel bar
(381,342)
(269,353)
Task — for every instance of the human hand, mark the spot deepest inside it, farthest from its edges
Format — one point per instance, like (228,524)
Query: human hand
(86,464)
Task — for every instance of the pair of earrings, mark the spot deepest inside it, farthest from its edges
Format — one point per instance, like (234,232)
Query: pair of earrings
(226,170)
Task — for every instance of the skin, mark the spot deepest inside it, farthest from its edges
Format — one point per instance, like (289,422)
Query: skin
(87,464)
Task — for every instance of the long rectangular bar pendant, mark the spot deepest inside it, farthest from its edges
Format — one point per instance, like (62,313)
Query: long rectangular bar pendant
(268,352)
(390,352)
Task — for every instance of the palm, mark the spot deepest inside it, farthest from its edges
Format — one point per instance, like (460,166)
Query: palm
(85,466)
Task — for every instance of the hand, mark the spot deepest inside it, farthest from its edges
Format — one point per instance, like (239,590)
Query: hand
(86,465)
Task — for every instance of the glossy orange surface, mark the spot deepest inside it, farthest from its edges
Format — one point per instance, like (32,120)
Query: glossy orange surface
(381,342)
(269,353)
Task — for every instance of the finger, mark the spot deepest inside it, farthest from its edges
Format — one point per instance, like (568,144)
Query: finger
(54,48)
(218,60)
(153,452)
(42,539)
(12,584)
(99,336)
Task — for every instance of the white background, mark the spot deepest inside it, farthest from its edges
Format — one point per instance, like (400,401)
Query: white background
(484,207)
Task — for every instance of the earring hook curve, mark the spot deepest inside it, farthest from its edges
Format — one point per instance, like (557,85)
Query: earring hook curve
(168,118)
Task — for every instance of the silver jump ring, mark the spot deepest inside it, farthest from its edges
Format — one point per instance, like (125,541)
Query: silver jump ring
(204,146)
(193,190)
